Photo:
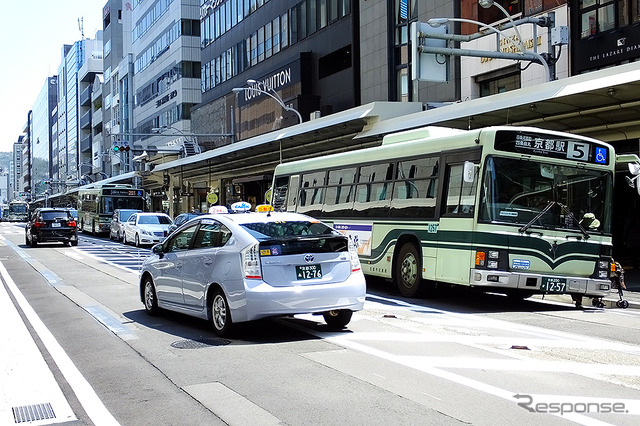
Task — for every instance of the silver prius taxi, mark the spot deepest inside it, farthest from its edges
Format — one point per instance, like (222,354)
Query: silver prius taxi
(230,268)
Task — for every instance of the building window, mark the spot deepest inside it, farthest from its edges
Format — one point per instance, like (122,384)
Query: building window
(403,12)
(499,81)
(597,16)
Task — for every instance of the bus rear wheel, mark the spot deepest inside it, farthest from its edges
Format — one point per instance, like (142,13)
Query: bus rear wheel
(408,271)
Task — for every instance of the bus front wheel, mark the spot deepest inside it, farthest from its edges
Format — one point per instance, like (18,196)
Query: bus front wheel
(408,271)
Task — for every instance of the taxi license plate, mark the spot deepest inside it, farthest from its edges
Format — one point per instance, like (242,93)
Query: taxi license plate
(56,225)
(308,272)
(553,285)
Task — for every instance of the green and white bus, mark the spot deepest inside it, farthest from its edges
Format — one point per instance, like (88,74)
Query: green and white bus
(97,202)
(18,211)
(512,210)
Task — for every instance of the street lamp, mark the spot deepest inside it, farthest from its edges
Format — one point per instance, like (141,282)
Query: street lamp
(486,4)
(255,87)
(526,54)
(436,22)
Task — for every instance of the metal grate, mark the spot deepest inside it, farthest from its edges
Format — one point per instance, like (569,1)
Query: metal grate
(29,413)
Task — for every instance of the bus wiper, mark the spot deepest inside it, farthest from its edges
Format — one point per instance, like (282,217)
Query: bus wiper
(538,216)
(564,209)
(568,212)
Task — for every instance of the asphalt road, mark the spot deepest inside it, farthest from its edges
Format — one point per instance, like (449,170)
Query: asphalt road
(461,358)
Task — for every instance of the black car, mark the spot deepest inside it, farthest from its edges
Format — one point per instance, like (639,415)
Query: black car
(51,224)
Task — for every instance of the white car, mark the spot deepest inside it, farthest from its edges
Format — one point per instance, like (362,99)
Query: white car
(230,268)
(146,228)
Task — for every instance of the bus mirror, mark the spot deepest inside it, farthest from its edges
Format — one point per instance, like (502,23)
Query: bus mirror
(634,168)
(469,172)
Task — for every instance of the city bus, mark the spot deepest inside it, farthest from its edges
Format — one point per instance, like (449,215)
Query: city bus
(96,203)
(512,210)
(18,211)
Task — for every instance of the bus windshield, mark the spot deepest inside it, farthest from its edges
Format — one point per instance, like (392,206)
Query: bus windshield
(110,204)
(18,208)
(532,194)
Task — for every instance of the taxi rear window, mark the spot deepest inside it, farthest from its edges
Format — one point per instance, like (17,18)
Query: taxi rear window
(289,229)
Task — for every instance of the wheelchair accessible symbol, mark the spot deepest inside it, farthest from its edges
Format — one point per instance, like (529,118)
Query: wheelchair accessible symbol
(601,155)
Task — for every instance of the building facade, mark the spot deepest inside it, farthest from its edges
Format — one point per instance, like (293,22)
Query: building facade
(44,117)
(72,148)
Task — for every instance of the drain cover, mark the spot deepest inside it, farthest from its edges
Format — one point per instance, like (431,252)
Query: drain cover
(200,343)
(29,413)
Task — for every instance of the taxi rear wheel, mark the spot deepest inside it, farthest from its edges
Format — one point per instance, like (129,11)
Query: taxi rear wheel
(220,314)
(150,299)
(338,318)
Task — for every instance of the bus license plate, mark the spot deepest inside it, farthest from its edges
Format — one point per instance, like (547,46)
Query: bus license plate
(553,285)
(308,272)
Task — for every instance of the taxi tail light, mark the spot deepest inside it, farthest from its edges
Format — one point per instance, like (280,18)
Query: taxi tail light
(353,254)
(251,262)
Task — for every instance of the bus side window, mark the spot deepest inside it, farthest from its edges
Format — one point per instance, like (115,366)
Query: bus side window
(459,195)
(292,194)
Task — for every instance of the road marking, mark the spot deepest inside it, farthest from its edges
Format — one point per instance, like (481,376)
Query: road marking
(444,327)
(231,407)
(91,403)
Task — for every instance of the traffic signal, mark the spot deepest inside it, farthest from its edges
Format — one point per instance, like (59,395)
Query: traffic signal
(121,148)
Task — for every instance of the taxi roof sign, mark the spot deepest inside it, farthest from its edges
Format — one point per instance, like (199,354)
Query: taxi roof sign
(240,207)
(264,208)
(218,209)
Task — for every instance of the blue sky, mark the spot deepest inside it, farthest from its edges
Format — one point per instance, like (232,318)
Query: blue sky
(32,34)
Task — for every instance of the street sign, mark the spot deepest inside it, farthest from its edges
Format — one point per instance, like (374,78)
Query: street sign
(212,198)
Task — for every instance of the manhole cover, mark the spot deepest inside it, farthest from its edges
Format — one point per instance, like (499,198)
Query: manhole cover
(201,343)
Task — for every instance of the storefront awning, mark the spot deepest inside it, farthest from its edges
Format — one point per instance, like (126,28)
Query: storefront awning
(322,135)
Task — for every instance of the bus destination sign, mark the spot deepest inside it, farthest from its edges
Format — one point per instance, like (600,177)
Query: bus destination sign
(123,192)
(552,146)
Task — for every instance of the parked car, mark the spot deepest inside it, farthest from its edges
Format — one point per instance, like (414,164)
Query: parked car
(181,219)
(51,224)
(244,267)
(146,228)
(119,218)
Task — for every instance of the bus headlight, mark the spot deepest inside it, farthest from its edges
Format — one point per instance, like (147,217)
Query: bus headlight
(480,258)
(493,264)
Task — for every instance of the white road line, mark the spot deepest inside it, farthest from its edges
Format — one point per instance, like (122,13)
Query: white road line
(91,403)
(25,378)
